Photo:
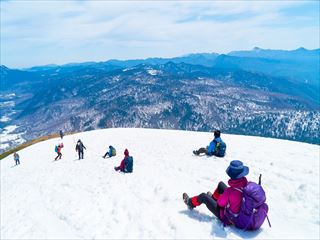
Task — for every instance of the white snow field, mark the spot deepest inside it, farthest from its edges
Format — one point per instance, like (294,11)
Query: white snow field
(87,199)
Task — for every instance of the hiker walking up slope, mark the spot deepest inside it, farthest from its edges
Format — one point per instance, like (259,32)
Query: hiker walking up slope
(79,149)
(61,134)
(16,158)
(58,151)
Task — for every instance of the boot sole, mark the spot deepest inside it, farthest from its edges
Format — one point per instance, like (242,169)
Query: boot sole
(185,198)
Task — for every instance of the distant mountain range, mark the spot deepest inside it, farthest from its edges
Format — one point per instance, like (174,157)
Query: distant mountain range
(271,93)
(299,65)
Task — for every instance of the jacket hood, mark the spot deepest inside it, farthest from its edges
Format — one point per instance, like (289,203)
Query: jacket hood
(238,183)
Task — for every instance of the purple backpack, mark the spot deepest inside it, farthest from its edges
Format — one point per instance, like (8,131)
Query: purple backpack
(253,209)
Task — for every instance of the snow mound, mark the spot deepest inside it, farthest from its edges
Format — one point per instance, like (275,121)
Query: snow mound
(153,72)
(71,199)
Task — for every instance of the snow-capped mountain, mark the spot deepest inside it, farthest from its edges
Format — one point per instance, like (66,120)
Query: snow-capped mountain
(87,199)
(241,93)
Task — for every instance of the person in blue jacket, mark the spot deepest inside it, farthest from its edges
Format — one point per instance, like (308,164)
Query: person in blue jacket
(216,147)
(111,152)
(16,158)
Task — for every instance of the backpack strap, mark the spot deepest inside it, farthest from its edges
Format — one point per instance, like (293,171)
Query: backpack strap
(239,189)
(267,218)
(215,150)
(260,179)
(249,222)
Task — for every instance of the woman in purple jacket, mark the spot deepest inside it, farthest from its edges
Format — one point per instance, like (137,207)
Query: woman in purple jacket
(223,195)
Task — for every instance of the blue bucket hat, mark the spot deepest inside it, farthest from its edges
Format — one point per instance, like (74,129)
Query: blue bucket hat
(237,170)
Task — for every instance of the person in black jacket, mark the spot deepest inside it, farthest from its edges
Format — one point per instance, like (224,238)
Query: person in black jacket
(61,134)
(79,148)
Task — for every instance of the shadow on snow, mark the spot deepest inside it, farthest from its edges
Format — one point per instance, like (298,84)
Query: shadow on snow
(218,230)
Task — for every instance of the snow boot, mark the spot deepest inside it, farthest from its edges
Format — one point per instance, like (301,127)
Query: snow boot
(195,152)
(187,201)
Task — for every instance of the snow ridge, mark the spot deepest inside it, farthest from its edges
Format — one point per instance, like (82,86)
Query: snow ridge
(88,199)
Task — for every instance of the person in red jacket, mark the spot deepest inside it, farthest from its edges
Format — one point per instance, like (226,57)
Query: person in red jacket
(59,152)
(121,167)
(223,196)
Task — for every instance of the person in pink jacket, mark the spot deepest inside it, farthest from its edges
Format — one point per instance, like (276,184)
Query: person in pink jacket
(223,195)
(122,164)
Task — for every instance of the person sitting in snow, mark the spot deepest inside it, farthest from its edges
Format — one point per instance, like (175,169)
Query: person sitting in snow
(58,151)
(126,164)
(111,152)
(16,158)
(79,148)
(223,195)
(216,147)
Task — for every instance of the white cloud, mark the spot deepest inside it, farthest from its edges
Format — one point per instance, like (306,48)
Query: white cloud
(34,33)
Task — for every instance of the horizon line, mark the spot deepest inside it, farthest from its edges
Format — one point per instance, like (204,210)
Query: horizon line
(153,57)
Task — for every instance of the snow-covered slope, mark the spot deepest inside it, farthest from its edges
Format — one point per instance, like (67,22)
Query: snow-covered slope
(88,199)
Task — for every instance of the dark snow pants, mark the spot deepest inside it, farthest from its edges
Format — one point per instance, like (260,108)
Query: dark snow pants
(80,154)
(210,201)
(59,156)
(202,150)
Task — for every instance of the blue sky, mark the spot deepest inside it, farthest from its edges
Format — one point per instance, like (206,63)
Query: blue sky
(57,32)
